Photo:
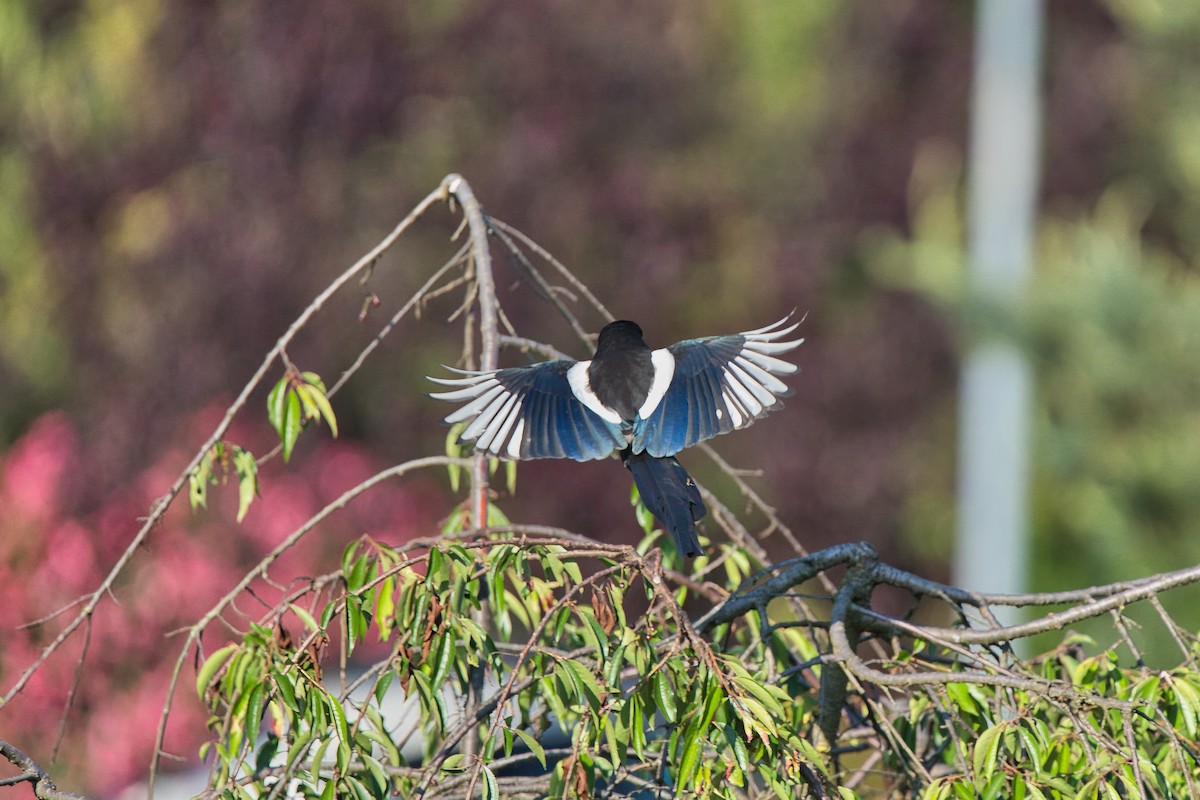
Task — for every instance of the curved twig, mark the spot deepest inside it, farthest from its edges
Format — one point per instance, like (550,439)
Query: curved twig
(32,772)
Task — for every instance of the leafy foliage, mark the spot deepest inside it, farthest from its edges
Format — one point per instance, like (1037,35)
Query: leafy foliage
(297,399)
(215,467)
(645,702)
(607,700)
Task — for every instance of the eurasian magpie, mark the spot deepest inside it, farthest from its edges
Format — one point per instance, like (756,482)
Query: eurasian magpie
(647,404)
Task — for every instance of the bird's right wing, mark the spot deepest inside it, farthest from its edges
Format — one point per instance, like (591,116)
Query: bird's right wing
(530,412)
(719,384)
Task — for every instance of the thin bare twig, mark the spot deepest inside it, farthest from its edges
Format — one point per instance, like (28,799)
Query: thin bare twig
(569,276)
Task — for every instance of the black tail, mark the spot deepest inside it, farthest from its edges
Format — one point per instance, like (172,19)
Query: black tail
(671,495)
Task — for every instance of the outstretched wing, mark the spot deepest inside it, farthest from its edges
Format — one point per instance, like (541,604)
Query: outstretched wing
(720,384)
(529,412)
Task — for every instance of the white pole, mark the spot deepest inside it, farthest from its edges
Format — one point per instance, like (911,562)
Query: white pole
(996,381)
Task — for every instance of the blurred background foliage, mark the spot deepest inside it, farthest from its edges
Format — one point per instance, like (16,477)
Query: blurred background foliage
(179,178)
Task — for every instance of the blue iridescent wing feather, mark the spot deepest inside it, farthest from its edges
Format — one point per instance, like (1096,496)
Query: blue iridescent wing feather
(528,412)
(720,384)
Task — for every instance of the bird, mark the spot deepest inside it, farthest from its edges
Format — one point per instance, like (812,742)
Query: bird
(645,404)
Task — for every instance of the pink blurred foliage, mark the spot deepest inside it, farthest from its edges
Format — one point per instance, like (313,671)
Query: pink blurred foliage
(52,552)
(39,471)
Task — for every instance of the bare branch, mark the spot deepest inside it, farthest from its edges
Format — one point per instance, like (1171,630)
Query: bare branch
(43,786)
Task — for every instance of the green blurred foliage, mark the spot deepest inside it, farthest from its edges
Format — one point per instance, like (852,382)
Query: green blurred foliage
(1112,326)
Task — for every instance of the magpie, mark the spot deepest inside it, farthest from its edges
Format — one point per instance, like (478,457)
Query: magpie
(645,404)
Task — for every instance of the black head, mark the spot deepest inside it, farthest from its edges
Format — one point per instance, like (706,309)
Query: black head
(622,334)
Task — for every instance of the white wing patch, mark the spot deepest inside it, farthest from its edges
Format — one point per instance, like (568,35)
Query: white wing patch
(514,443)
(496,423)
(581,387)
(750,388)
(664,371)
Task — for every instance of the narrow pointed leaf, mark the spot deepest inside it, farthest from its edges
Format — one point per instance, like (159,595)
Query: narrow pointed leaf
(292,420)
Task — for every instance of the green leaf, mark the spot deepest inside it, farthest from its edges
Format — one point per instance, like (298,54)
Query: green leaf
(712,703)
(358,575)
(664,697)
(458,520)
(198,482)
(436,570)
(938,790)
(254,712)
(292,422)
(318,756)
(377,772)
(592,634)
(385,606)
(287,690)
(307,402)
(1035,754)
(691,756)
(343,730)
(1188,700)
(533,744)
(246,467)
(633,720)
(585,683)
(383,684)
(326,411)
(1035,792)
(761,692)
(987,748)
(510,476)
(431,700)
(554,693)
(642,514)
(305,617)
(197,490)
(454,449)
(455,762)
(740,754)
(277,405)
(359,790)
(212,665)
(757,718)
(490,790)
(495,517)
(314,380)
(385,742)
(444,658)
(961,697)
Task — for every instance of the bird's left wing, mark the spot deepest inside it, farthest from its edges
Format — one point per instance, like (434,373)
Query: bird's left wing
(529,412)
(720,384)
